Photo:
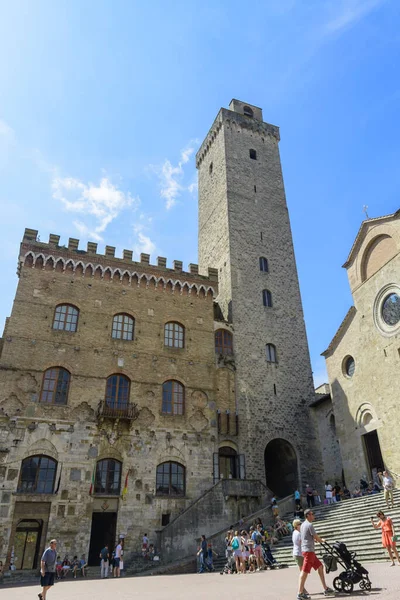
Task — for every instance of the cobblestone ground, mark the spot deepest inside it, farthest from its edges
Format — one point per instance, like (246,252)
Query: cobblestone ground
(269,585)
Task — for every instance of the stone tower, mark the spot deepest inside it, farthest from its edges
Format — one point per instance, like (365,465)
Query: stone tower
(244,231)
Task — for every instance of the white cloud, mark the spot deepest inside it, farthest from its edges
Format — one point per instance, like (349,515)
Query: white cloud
(103,202)
(6,131)
(171,177)
(143,242)
(349,13)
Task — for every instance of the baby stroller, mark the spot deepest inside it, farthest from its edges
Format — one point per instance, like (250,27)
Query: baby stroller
(230,566)
(269,559)
(354,572)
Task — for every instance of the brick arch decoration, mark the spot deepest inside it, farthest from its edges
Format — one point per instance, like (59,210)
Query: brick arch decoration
(126,277)
(364,410)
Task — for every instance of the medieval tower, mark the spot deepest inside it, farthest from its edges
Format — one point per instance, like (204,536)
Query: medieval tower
(244,232)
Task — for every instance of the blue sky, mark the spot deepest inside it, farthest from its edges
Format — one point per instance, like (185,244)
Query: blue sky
(103,105)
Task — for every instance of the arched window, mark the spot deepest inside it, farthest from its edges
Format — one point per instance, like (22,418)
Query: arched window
(55,386)
(108,477)
(174,335)
(267,298)
(263,264)
(123,327)
(247,111)
(66,317)
(271,353)
(173,398)
(37,475)
(170,479)
(223,342)
(117,391)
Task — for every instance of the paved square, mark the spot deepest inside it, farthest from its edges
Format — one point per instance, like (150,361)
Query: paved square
(268,585)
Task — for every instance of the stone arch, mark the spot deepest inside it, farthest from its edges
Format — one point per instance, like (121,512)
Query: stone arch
(107,275)
(143,282)
(365,414)
(49,266)
(39,262)
(59,268)
(88,270)
(281,467)
(117,276)
(29,259)
(41,446)
(126,278)
(69,267)
(79,269)
(378,252)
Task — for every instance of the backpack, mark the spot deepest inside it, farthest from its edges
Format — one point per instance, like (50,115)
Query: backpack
(235,543)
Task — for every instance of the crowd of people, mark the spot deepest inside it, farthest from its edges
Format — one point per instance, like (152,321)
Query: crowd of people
(75,566)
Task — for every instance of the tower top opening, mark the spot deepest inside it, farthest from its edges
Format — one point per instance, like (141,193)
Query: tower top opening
(248,110)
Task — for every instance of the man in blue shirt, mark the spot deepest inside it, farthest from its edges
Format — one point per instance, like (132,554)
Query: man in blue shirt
(48,568)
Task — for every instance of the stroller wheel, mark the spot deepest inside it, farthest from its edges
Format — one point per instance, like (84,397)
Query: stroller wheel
(337,584)
(367,586)
(362,584)
(347,586)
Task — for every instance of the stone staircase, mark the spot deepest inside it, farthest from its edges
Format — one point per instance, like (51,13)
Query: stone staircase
(349,522)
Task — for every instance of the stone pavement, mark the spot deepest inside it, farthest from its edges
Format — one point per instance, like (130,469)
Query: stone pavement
(268,585)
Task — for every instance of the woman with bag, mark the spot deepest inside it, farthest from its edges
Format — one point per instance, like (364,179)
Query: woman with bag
(389,538)
(236,545)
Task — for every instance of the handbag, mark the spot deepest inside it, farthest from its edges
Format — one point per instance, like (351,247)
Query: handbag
(396,538)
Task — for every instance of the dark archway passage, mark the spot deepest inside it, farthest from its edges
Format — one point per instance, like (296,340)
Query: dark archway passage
(281,467)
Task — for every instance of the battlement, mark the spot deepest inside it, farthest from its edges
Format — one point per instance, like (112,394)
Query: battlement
(239,119)
(51,255)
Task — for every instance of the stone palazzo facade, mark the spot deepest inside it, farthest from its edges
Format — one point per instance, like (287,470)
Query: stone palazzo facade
(128,390)
(363,359)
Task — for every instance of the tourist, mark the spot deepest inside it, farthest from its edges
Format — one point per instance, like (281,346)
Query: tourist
(58,567)
(309,496)
(83,565)
(308,538)
(388,535)
(210,555)
(388,486)
(357,492)
(328,493)
(48,569)
(237,552)
(280,527)
(66,566)
(275,507)
(363,486)
(338,492)
(145,544)
(297,554)
(257,538)
(228,547)
(297,498)
(117,559)
(1,571)
(202,553)
(104,564)
(317,497)
(75,565)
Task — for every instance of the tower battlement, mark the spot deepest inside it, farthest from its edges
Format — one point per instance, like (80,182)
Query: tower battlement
(52,255)
(237,116)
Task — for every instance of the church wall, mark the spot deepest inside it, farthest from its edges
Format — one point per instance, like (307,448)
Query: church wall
(368,400)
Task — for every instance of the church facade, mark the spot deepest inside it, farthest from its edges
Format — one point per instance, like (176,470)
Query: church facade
(128,389)
(364,356)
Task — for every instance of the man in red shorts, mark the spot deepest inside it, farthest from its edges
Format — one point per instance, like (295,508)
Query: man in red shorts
(308,539)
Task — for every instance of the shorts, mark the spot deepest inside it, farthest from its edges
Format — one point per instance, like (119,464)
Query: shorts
(258,551)
(237,552)
(299,560)
(47,580)
(311,561)
(116,562)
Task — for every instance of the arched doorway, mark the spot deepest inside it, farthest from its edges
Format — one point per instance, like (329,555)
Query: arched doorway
(281,467)
(26,545)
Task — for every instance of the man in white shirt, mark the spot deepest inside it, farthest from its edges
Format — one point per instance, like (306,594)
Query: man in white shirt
(388,486)
(117,559)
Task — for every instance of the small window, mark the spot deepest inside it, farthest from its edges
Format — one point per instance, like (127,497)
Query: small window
(253,154)
(170,479)
(117,391)
(271,353)
(349,366)
(223,342)
(37,475)
(174,335)
(66,317)
(123,327)
(267,298)
(165,517)
(247,111)
(108,477)
(263,263)
(173,398)
(55,386)
(210,169)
